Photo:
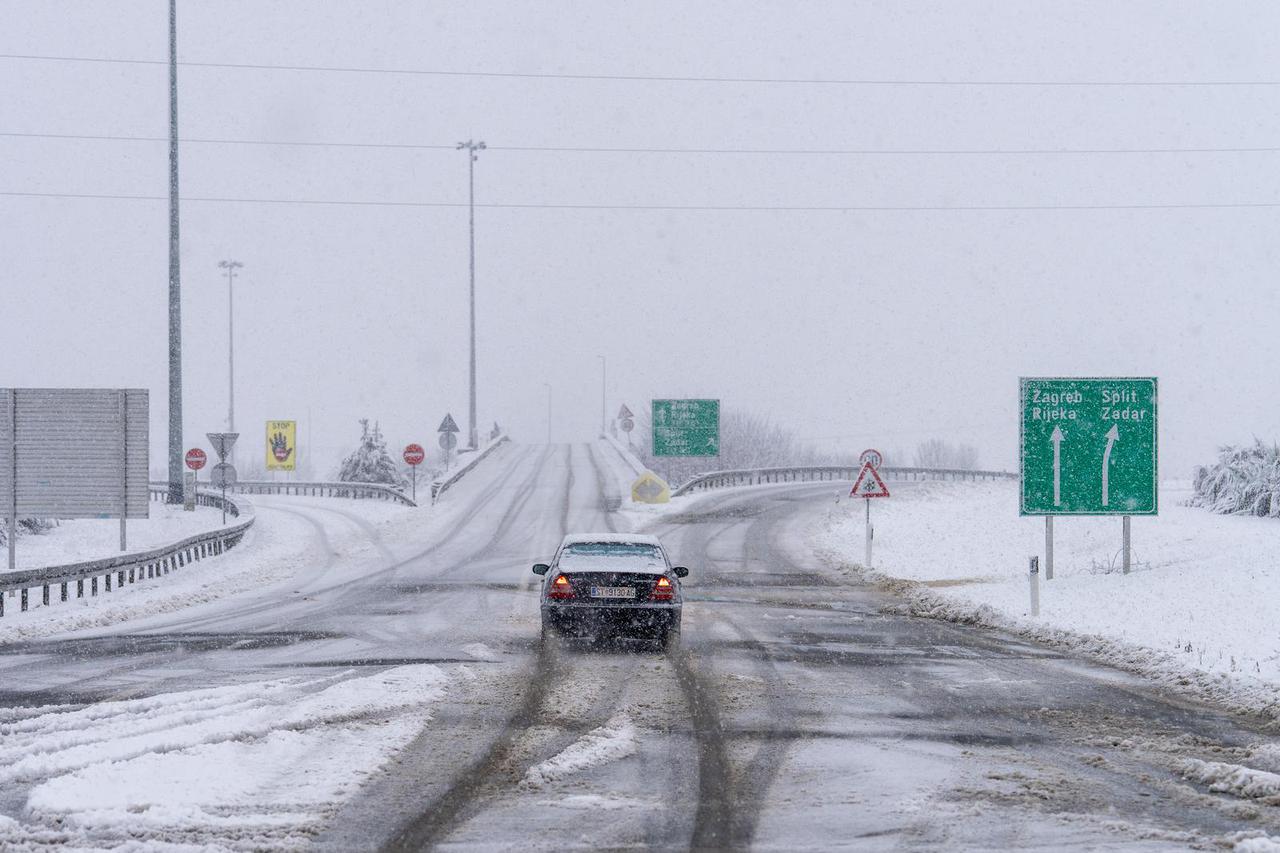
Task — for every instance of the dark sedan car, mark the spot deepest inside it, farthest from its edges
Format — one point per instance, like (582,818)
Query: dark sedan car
(608,585)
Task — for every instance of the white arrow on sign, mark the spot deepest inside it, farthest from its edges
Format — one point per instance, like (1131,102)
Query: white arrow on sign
(1113,435)
(1056,438)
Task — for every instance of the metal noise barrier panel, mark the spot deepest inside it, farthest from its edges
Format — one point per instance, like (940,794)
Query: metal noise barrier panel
(74,452)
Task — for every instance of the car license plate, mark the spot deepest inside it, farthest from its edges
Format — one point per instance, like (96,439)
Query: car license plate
(613,592)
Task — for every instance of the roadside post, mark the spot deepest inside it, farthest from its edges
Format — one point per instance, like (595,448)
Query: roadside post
(626,422)
(1088,447)
(195,460)
(448,437)
(868,486)
(224,473)
(1034,577)
(413,456)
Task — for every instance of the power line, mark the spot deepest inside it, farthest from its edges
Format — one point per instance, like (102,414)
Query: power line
(663,207)
(580,149)
(649,78)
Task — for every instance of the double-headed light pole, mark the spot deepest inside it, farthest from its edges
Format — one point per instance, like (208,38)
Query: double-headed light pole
(471,147)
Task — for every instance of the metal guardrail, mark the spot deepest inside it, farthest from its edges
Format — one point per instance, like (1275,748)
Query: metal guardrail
(814,473)
(358,491)
(138,566)
(439,487)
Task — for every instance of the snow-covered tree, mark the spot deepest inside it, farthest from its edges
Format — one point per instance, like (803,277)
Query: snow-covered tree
(1244,481)
(370,462)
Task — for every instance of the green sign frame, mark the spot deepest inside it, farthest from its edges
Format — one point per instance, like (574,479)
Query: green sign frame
(1089,446)
(686,427)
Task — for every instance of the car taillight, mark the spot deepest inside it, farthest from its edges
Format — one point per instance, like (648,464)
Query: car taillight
(560,588)
(663,590)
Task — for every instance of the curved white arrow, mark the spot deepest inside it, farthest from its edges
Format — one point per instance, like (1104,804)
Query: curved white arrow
(1056,438)
(1113,435)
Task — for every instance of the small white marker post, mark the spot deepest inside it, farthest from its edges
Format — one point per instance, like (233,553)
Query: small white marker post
(1048,547)
(1034,575)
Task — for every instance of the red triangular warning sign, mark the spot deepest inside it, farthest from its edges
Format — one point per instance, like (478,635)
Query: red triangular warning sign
(869,484)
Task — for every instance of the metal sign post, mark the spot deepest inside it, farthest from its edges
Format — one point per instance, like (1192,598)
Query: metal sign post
(870,531)
(413,456)
(195,460)
(1125,545)
(448,437)
(13,481)
(868,486)
(223,474)
(1048,547)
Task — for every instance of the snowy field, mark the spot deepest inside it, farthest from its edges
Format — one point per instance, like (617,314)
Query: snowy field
(1198,611)
(79,540)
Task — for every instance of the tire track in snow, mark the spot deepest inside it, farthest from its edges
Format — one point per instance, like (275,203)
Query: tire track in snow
(467,794)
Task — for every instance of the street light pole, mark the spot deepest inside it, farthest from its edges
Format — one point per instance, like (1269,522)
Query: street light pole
(175,280)
(548,384)
(471,148)
(231,267)
(604,378)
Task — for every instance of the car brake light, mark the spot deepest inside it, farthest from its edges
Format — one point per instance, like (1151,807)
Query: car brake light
(560,588)
(663,590)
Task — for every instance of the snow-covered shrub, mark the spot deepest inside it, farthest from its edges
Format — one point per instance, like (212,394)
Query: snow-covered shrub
(27,525)
(370,462)
(1244,481)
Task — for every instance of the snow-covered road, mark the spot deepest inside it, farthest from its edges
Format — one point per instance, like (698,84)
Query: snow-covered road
(389,692)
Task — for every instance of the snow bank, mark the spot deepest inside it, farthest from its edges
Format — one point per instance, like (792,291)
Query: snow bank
(1197,613)
(84,539)
(244,767)
(280,545)
(1235,779)
(614,740)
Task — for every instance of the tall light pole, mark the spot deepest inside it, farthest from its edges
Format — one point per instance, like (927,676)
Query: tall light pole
(471,148)
(231,267)
(604,377)
(175,281)
(548,386)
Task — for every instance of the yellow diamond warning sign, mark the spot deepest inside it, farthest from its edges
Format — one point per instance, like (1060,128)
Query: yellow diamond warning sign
(650,489)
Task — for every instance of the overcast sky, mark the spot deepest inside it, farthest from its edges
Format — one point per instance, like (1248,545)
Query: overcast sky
(858,326)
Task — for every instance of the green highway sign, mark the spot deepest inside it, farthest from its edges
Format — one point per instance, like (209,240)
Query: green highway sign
(1089,446)
(686,427)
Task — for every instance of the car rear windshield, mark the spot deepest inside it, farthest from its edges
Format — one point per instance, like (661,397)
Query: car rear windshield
(612,556)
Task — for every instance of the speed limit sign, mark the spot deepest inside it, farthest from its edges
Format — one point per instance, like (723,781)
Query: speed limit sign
(871,457)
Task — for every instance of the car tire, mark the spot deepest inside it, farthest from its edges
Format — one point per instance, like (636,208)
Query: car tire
(549,633)
(669,637)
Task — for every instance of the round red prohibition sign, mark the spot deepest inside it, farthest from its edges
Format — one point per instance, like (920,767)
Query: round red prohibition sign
(414,454)
(196,459)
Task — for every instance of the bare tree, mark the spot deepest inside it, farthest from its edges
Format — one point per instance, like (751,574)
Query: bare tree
(936,453)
